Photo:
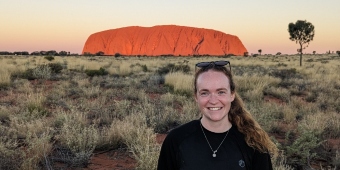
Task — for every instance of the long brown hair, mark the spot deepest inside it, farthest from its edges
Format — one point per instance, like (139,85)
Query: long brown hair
(255,136)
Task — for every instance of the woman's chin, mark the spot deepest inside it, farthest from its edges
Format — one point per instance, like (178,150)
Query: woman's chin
(216,117)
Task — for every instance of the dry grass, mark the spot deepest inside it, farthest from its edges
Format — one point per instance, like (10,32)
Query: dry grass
(180,81)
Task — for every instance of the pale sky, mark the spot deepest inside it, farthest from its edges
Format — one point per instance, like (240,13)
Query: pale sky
(35,25)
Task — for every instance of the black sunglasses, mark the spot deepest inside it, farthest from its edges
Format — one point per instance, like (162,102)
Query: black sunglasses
(213,63)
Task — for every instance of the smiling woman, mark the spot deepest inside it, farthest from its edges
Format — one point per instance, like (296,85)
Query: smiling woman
(226,136)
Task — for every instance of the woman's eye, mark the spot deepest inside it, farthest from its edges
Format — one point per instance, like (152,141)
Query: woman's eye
(204,94)
(222,92)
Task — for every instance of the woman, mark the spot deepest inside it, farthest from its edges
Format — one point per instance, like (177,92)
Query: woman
(225,137)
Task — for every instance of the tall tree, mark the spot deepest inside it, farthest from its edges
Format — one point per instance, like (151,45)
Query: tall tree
(301,32)
(260,51)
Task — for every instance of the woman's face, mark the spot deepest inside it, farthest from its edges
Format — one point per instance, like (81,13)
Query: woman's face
(214,96)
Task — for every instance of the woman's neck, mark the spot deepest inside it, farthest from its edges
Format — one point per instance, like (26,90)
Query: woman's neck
(217,127)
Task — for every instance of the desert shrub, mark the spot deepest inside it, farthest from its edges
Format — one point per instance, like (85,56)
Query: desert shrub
(80,140)
(167,120)
(279,93)
(117,55)
(251,87)
(10,157)
(143,67)
(59,121)
(28,74)
(249,70)
(302,150)
(40,72)
(100,72)
(311,97)
(338,52)
(37,110)
(285,73)
(49,58)
(4,86)
(5,78)
(55,99)
(289,113)
(229,55)
(109,137)
(173,68)
(331,125)
(282,65)
(74,92)
(55,67)
(33,106)
(271,113)
(141,141)
(121,108)
(280,162)
(4,117)
(156,80)
(309,60)
(39,147)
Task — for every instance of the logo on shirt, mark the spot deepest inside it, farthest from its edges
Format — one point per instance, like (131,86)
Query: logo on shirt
(241,163)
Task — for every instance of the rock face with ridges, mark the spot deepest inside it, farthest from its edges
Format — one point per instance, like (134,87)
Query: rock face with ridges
(163,40)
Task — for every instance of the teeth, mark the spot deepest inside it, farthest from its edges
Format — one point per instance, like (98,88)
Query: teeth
(214,108)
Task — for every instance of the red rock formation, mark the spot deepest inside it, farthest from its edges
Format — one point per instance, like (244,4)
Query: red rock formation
(163,40)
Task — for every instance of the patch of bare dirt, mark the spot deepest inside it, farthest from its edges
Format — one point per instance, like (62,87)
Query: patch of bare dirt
(115,159)
(274,100)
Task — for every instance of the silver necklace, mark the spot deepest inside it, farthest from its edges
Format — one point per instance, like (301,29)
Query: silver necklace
(214,151)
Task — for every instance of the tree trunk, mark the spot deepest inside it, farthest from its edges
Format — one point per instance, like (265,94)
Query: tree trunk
(300,55)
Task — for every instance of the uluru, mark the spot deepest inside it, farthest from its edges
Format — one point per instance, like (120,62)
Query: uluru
(163,40)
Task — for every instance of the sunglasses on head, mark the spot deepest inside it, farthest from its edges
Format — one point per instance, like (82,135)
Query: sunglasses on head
(213,64)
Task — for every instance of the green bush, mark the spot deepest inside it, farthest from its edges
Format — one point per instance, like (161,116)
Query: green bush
(303,149)
(100,72)
(55,67)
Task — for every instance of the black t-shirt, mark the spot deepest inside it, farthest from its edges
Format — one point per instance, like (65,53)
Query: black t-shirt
(186,148)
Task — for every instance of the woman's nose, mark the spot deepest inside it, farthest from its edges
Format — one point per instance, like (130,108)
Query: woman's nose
(213,98)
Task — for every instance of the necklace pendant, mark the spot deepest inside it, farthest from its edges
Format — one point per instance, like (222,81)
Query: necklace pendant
(214,155)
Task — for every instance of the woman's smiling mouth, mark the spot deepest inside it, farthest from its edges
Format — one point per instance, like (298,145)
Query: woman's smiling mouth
(214,108)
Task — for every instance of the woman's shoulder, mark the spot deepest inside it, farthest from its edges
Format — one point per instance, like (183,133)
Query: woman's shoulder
(181,132)
(239,138)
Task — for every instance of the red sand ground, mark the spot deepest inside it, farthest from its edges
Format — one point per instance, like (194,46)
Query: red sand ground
(116,159)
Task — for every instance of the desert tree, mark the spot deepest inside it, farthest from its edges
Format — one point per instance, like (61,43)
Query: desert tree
(301,32)
(260,51)
(99,53)
(62,53)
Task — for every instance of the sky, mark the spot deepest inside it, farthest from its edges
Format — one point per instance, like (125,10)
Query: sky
(65,25)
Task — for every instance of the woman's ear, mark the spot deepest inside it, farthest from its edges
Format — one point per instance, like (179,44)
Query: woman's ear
(232,96)
(195,96)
